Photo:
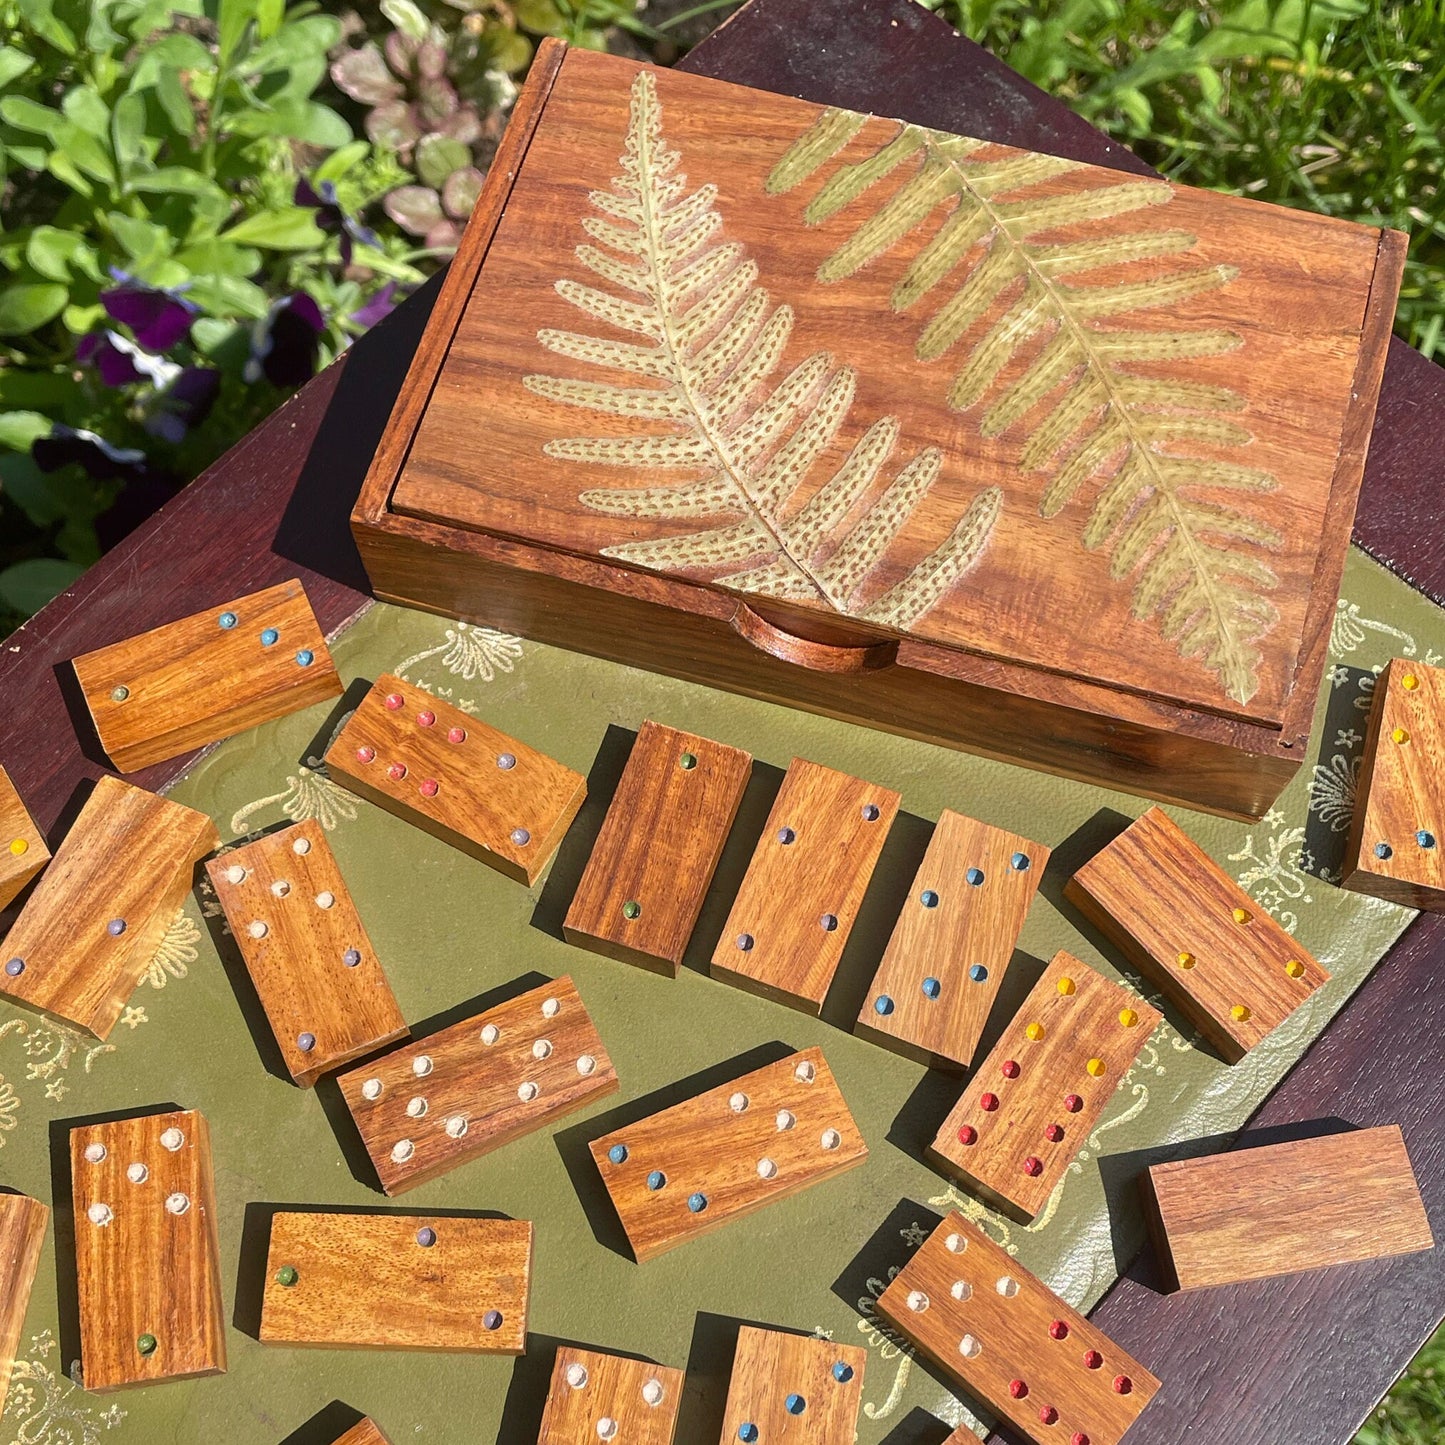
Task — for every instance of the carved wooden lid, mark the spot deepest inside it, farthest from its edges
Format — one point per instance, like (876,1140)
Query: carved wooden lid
(877,375)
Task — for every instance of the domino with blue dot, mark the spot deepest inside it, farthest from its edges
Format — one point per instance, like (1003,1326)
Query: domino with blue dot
(953,941)
(791,1388)
(206,677)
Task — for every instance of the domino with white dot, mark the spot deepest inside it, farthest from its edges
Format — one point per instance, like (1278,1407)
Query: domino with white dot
(1012,1343)
(792,1388)
(597,1396)
(714,1158)
(319,980)
(206,677)
(1036,1098)
(147,1261)
(455,1095)
(456,777)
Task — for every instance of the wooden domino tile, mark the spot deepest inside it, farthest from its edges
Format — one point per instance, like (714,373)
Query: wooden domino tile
(22,845)
(788,1387)
(364,1432)
(22,1232)
(596,1396)
(800,896)
(207,677)
(437,1102)
(953,941)
(453,776)
(146,1254)
(1179,918)
(91,927)
(1281,1208)
(714,1158)
(314,969)
(1012,1343)
(1038,1095)
(1396,847)
(398,1282)
(653,861)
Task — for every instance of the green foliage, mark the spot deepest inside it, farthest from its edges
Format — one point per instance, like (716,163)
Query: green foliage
(1336,106)
(1413,1413)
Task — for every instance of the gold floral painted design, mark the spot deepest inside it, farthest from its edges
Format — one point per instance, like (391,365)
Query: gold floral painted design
(45,1408)
(176,954)
(475,654)
(309,793)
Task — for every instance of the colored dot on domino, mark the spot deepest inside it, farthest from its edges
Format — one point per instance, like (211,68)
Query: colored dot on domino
(842,1372)
(393,701)
(1073,1103)
(1241,915)
(19,847)
(305,657)
(883,1005)
(1079,1438)
(931,988)
(227,620)
(967,1134)
(1018,1389)
(1034,1032)
(988,1102)
(795,1404)
(425,718)
(747,1433)
(1186,960)
(1033,1167)
(1048,1415)
(429,787)
(269,637)
(1383,850)
(1092,1359)
(1240,1014)
(978,973)
(1425,838)
(1128,1018)
(456,735)
(366,755)
(975,876)
(1067,986)
(396,772)
(1122,1384)
(1009,1069)
(1053,1132)
(1399,735)
(1294,968)
(1409,682)
(1058,1330)
(1096,1067)
(617,1154)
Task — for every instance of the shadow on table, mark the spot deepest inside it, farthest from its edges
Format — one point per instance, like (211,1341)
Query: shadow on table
(315,529)
(577,1158)
(256,1245)
(333,1102)
(326,1426)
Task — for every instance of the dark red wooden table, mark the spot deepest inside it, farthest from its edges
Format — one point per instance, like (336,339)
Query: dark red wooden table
(1299,1361)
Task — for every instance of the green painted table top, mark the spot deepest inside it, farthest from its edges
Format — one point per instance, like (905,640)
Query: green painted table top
(449,929)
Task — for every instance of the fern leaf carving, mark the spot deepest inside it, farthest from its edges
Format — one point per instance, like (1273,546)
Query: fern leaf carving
(995,291)
(704,351)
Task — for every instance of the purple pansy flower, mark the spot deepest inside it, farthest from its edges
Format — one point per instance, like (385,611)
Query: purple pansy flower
(121,361)
(102,461)
(184,404)
(330,216)
(381,305)
(158,318)
(286,342)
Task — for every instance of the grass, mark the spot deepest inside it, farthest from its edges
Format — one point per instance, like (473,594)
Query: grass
(1335,106)
(1413,1413)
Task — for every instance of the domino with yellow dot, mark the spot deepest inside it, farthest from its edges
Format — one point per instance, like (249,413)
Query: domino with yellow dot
(1396,847)
(1044,1086)
(22,846)
(1178,917)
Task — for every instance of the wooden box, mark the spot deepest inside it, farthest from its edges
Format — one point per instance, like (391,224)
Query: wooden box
(981,446)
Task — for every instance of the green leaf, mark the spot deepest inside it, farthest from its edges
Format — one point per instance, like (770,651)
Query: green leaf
(341,160)
(231,22)
(28,586)
(289,228)
(27,305)
(13,64)
(39,15)
(229,296)
(407,17)
(54,253)
(295,120)
(215,258)
(176,103)
(29,115)
(59,164)
(437,156)
(127,128)
(175,181)
(19,428)
(269,14)
(84,106)
(142,241)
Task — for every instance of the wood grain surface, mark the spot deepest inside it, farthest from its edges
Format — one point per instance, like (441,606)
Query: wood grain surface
(22,845)
(439,1101)
(147,1258)
(276,506)
(398,1282)
(88,931)
(1396,847)
(799,899)
(1033,1102)
(711,1159)
(494,362)
(319,980)
(22,1232)
(364,1432)
(1280,1208)
(1191,928)
(457,778)
(659,845)
(1012,1343)
(952,943)
(206,677)
(794,1388)
(596,1396)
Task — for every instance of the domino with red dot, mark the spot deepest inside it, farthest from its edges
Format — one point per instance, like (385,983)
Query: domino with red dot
(1037,1096)
(1012,1343)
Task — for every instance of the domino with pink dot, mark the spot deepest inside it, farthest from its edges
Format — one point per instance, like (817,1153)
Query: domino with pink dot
(456,777)
(1012,1343)
(1043,1087)
(455,1095)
